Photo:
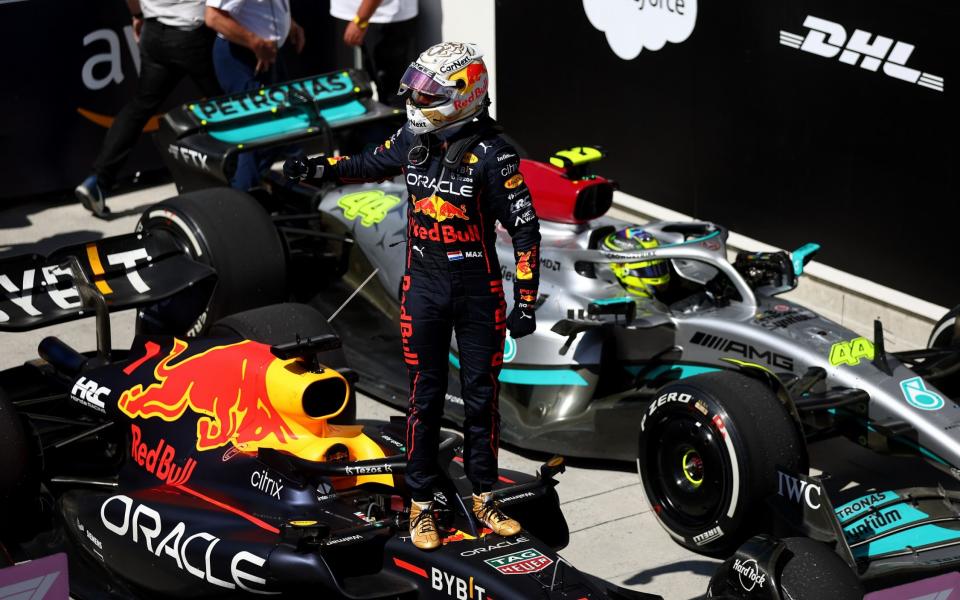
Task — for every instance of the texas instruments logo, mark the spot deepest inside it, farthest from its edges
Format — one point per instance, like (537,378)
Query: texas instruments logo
(872,52)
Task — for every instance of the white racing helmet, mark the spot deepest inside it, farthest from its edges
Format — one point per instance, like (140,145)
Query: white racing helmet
(445,85)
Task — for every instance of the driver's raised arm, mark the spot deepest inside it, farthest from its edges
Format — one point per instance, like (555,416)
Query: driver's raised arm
(384,161)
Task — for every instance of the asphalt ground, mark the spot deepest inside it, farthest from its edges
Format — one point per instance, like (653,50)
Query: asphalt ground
(613,533)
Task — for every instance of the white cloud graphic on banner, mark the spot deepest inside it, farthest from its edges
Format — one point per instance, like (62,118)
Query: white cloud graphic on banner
(632,25)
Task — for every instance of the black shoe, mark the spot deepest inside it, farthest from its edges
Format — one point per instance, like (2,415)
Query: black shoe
(91,196)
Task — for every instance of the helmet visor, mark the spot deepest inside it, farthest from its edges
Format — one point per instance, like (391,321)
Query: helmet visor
(424,82)
(649,270)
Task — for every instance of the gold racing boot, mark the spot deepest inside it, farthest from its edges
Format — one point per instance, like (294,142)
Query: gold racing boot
(423,528)
(490,515)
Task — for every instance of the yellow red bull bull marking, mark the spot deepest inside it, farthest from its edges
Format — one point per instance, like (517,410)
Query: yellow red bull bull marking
(524,271)
(439,209)
(230,392)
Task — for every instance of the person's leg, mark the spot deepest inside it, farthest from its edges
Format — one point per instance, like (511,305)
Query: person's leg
(391,52)
(343,54)
(481,327)
(197,61)
(157,79)
(235,67)
(425,328)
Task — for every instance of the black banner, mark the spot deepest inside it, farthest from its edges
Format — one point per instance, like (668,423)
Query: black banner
(70,66)
(788,122)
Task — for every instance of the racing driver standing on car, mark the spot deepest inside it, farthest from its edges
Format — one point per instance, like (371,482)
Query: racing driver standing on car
(461,176)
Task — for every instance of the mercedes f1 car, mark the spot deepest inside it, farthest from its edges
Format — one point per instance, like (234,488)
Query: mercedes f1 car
(216,467)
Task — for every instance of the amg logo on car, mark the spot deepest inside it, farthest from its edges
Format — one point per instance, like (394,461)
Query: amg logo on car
(720,344)
(828,39)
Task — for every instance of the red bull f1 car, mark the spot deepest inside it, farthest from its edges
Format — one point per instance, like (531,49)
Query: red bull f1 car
(219,466)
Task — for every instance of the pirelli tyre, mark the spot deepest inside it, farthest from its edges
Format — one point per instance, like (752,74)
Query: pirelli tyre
(19,477)
(281,323)
(230,231)
(944,335)
(709,448)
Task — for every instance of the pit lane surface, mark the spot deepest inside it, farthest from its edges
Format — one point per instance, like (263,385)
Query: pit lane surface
(612,531)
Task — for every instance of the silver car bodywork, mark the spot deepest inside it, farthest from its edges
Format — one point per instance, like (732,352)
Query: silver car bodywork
(584,394)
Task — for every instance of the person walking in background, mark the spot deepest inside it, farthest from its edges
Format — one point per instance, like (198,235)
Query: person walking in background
(386,30)
(173,43)
(246,57)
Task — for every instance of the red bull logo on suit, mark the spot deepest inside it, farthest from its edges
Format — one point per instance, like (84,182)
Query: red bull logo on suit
(437,208)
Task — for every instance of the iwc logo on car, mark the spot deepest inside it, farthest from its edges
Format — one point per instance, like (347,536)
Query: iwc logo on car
(632,25)
(872,51)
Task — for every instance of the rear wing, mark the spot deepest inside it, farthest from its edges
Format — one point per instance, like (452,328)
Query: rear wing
(200,141)
(128,270)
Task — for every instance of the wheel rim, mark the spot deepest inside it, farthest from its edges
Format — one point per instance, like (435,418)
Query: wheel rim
(687,472)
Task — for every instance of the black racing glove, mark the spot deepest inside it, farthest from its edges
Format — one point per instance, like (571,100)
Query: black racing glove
(522,320)
(296,168)
(302,168)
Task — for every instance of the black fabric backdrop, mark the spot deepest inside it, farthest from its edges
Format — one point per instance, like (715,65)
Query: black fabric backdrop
(776,143)
(45,144)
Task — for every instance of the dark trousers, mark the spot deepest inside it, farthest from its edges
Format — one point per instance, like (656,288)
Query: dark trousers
(166,56)
(433,305)
(388,49)
(236,70)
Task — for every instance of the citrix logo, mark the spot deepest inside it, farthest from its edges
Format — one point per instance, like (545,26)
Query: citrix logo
(266,484)
(828,39)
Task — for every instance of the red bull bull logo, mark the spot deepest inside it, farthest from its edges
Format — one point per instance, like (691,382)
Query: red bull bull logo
(226,385)
(475,71)
(439,209)
(524,271)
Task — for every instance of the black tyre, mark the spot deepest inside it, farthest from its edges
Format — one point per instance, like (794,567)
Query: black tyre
(805,570)
(709,448)
(281,323)
(229,231)
(944,336)
(19,473)
(14,448)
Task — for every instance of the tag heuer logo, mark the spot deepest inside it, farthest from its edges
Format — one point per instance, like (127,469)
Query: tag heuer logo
(521,562)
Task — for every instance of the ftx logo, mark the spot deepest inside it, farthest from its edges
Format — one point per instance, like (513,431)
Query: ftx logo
(828,39)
